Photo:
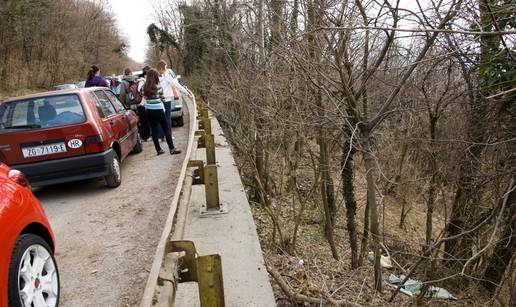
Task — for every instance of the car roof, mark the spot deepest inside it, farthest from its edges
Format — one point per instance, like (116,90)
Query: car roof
(54,93)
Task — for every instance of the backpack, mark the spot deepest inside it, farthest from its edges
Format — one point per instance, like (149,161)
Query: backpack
(133,94)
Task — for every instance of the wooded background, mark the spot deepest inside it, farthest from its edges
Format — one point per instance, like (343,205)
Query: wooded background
(48,42)
(359,126)
(389,123)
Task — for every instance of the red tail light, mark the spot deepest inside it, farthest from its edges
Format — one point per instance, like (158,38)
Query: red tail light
(18,177)
(93,144)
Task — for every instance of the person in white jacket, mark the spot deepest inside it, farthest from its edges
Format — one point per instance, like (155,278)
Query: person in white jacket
(173,92)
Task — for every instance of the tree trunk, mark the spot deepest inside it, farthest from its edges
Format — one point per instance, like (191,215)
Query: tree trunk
(349,197)
(259,148)
(505,249)
(293,19)
(327,192)
(433,182)
(371,199)
(365,236)
(465,203)
(429,212)
(276,19)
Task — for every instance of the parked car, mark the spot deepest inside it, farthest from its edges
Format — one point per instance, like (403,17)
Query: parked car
(64,87)
(28,270)
(80,84)
(65,136)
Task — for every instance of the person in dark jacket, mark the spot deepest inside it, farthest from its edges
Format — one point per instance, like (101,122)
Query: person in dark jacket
(94,78)
(127,80)
(125,96)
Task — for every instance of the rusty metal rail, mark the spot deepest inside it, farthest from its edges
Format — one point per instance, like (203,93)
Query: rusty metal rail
(177,261)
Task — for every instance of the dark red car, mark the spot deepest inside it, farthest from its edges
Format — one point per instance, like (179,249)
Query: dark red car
(71,135)
(28,270)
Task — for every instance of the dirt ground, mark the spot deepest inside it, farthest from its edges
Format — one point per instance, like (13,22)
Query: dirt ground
(106,238)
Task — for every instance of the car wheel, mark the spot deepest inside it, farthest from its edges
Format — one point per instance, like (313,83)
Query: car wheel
(33,274)
(138,147)
(114,178)
(180,121)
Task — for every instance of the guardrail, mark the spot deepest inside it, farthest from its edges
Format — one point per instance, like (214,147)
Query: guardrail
(176,260)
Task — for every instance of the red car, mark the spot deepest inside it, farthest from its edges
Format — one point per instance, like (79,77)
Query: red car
(28,270)
(70,135)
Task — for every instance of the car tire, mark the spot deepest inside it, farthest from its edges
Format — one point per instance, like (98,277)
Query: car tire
(138,147)
(114,179)
(41,281)
(180,121)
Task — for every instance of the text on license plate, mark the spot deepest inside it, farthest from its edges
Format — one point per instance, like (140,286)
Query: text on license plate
(43,150)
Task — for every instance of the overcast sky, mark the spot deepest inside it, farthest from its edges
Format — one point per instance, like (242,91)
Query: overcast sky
(133,18)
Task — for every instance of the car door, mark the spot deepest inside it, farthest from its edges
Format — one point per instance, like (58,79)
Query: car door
(130,121)
(113,123)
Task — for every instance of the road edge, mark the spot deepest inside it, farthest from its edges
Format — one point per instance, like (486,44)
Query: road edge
(148,294)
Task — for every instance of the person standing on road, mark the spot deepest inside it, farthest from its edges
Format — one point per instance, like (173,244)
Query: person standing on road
(166,81)
(94,78)
(130,95)
(153,95)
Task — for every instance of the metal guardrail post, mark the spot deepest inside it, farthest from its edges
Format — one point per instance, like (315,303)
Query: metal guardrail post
(211,183)
(198,175)
(213,205)
(211,285)
(209,142)
(206,123)
(205,270)
(201,141)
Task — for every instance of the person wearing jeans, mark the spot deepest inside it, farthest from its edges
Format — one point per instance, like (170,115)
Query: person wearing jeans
(168,110)
(166,81)
(153,95)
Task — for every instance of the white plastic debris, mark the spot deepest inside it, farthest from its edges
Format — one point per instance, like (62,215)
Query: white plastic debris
(412,287)
(385,262)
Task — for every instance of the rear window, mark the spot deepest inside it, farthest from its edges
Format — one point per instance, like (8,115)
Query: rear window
(44,112)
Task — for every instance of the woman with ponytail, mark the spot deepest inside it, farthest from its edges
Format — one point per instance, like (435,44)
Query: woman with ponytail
(153,94)
(94,78)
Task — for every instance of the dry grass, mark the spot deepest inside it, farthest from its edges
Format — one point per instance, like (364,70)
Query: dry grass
(311,270)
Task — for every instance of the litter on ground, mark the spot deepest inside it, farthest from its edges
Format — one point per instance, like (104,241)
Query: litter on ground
(385,261)
(412,287)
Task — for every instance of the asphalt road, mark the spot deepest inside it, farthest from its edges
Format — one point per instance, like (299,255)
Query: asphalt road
(106,238)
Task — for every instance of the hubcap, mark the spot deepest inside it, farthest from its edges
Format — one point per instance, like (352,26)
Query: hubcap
(38,283)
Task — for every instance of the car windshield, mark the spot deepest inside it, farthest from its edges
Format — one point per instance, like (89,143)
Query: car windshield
(41,112)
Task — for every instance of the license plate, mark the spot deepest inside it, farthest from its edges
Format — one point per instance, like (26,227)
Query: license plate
(43,150)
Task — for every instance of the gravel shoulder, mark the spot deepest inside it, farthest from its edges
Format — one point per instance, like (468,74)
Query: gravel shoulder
(106,238)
